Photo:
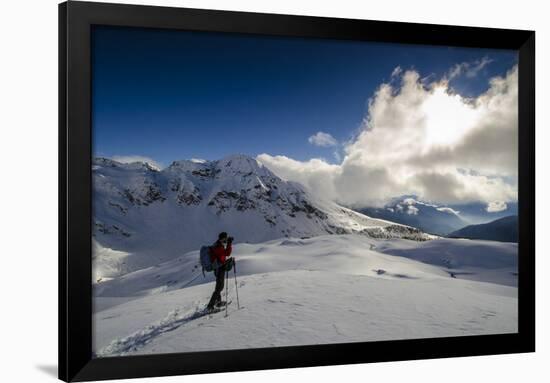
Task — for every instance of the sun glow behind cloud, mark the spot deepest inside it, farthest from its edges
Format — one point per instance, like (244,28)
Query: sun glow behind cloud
(448,117)
(422,139)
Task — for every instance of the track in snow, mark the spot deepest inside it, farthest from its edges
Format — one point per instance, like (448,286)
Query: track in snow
(140,338)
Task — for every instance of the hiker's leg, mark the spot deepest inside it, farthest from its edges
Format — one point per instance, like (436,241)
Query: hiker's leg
(220,278)
(216,294)
(213,299)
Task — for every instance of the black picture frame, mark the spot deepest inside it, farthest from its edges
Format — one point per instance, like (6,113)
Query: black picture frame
(75,288)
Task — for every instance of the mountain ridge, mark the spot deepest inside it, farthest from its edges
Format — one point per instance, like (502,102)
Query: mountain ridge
(155,215)
(503,230)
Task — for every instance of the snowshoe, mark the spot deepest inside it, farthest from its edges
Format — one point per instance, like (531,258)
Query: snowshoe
(212,310)
(222,303)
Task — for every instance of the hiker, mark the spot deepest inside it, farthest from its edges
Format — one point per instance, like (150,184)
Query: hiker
(220,253)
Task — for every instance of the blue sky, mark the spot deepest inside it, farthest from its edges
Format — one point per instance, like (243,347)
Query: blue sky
(172,95)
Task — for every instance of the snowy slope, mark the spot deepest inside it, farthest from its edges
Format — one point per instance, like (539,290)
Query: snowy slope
(484,261)
(347,254)
(479,260)
(327,289)
(153,216)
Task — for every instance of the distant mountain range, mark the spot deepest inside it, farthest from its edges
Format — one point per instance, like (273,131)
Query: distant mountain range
(503,230)
(436,219)
(476,212)
(428,217)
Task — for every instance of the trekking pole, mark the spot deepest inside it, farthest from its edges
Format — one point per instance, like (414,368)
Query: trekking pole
(236,288)
(226,288)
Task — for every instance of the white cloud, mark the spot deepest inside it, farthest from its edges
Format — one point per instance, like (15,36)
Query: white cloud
(198,160)
(425,140)
(315,174)
(322,139)
(469,69)
(412,210)
(135,158)
(448,210)
(396,72)
(496,206)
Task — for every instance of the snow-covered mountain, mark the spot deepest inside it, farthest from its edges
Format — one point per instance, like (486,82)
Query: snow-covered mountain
(298,282)
(144,216)
(408,210)
(502,229)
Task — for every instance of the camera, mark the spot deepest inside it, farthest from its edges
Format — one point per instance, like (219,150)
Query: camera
(230,239)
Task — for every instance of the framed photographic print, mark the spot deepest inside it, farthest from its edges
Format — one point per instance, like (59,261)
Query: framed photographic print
(281,191)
